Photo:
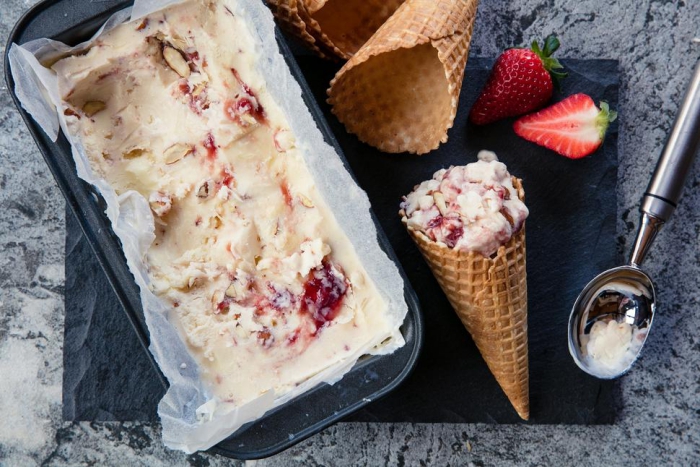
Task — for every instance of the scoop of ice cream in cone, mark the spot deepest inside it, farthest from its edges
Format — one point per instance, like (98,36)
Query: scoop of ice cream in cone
(469,224)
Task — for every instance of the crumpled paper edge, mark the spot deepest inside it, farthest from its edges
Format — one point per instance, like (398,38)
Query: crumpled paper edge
(191,418)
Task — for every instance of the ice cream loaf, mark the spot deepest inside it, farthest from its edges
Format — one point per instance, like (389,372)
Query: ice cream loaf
(260,280)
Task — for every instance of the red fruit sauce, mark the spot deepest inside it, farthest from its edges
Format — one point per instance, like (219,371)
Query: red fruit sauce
(293,337)
(228,178)
(323,294)
(279,299)
(453,236)
(248,103)
(210,146)
(245,87)
(451,229)
(243,105)
(284,188)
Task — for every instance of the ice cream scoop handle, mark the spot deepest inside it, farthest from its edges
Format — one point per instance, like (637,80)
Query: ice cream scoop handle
(665,188)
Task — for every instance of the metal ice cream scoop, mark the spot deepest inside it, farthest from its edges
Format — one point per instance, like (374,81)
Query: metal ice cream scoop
(626,294)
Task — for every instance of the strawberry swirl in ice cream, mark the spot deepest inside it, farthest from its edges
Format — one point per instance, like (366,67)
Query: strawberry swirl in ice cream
(468,208)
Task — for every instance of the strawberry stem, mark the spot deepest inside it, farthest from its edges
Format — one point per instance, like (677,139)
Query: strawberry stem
(551,44)
(604,118)
(551,64)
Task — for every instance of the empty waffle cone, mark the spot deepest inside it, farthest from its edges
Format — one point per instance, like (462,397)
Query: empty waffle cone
(322,40)
(332,28)
(490,297)
(289,18)
(348,24)
(399,92)
(312,6)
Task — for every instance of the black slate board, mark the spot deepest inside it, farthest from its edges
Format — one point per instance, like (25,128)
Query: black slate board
(570,236)
(106,373)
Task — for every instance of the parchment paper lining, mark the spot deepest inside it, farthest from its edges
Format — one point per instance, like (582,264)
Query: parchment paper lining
(193,420)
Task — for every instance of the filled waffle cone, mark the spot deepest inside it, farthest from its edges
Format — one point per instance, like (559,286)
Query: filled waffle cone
(400,91)
(490,297)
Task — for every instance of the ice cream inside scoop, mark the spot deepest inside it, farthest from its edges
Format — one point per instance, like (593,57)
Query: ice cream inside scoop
(611,346)
(469,208)
(612,342)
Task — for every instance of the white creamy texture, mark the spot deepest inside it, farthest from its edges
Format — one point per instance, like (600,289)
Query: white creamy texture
(611,347)
(262,283)
(468,208)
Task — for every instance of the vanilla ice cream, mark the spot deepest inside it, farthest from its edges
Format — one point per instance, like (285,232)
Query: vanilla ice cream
(613,341)
(469,208)
(611,347)
(261,282)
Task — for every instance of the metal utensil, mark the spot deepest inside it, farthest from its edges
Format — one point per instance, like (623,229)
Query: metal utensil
(626,294)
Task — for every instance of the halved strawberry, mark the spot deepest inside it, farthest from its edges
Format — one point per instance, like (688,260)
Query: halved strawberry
(574,127)
(522,80)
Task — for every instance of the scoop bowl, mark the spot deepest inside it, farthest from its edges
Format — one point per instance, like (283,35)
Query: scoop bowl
(624,294)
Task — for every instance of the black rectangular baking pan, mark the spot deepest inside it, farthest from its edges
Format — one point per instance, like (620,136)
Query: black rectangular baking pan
(372,377)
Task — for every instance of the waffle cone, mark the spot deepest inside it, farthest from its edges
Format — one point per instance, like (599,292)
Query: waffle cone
(399,92)
(490,297)
(322,40)
(312,6)
(332,28)
(289,18)
(348,24)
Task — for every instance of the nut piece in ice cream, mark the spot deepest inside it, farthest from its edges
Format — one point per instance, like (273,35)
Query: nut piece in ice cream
(134,153)
(205,189)
(237,289)
(178,41)
(306,201)
(160,203)
(92,107)
(176,152)
(176,61)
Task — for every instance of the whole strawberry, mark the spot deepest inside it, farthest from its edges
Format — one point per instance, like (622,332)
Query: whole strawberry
(522,80)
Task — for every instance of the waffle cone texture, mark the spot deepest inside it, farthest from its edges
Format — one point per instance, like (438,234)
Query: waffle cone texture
(400,91)
(334,29)
(348,24)
(288,14)
(490,297)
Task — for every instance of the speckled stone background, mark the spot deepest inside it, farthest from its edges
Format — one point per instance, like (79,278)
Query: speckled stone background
(657,44)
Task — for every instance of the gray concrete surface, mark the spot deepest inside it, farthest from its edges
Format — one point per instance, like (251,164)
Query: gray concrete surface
(660,417)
